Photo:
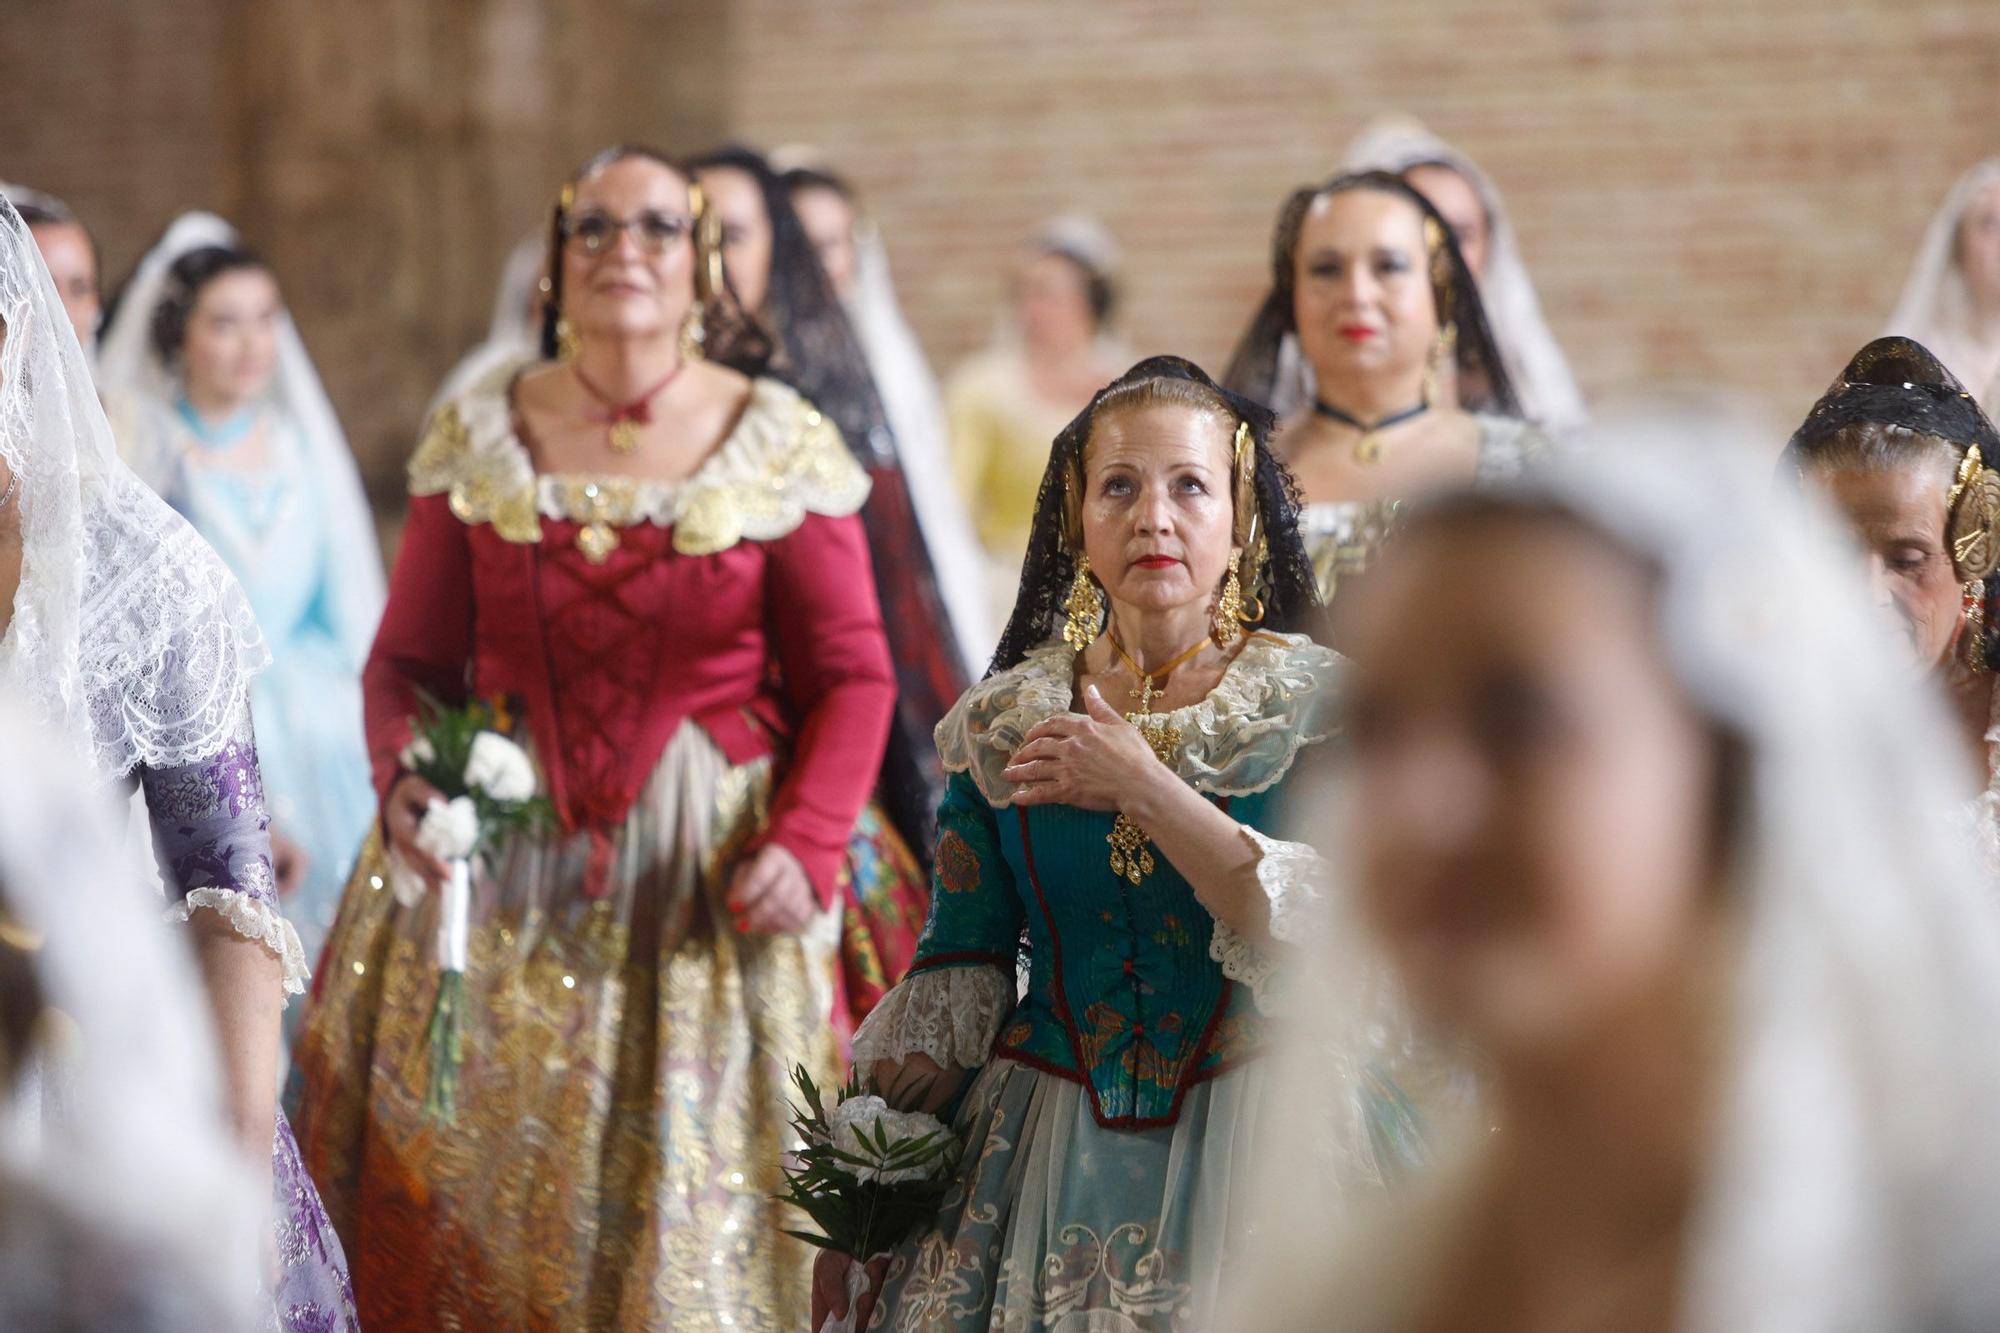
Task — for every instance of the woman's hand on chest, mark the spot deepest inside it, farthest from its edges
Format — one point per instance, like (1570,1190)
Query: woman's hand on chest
(1095,760)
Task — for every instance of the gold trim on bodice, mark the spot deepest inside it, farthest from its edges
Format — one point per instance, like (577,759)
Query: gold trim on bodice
(783,460)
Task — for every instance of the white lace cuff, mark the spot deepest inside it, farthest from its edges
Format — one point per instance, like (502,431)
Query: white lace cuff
(253,919)
(951,1015)
(1293,877)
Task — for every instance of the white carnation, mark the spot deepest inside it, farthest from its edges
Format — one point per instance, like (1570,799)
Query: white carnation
(499,768)
(418,751)
(449,829)
(853,1124)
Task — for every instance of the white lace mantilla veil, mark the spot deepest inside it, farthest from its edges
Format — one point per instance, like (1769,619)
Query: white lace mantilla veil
(127,363)
(117,1202)
(1535,361)
(1936,306)
(512,335)
(915,409)
(129,635)
(1853,1175)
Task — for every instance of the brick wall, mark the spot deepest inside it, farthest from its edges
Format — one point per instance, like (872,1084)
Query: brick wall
(1723,191)
(384,154)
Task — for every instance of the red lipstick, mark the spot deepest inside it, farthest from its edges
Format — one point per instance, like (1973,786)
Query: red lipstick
(1155,561)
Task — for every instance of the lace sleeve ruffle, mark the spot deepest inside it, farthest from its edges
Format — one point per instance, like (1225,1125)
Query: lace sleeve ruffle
(951,1014)
(255,919)
(1293,877)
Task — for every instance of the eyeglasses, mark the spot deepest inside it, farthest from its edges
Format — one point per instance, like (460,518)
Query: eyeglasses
(597,233)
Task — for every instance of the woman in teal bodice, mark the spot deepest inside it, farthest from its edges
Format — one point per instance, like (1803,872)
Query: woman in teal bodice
(1107,926)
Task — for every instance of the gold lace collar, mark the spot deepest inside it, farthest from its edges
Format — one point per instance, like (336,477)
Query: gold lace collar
(1241,737)
(783,460)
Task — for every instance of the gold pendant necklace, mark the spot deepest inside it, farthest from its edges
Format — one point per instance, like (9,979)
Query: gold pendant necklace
(1131,851)
(622,420)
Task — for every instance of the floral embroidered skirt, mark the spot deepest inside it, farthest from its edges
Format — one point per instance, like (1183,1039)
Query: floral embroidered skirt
(1058,1224)
(622,1099)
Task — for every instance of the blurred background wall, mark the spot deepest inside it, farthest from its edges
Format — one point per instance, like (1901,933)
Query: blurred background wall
(1722,192)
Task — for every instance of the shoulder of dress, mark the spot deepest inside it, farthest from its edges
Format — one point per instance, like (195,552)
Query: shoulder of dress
(469,452)
(990,721)
(784,460)
(1508,445)
(1277,698)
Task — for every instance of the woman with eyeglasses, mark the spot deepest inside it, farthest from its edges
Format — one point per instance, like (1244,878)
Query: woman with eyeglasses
(655,560)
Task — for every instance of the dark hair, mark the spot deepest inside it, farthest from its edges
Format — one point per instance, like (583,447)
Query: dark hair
(1895,403)
(1099,291)
(816,350)
(45,211)
(1457,169)
(731,338)
(1483,382)
(817,178)
(186,279)
(819,354)
(1285,584)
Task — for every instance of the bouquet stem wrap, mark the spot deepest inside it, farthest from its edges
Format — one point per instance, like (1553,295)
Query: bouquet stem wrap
(857,1287)
(446,1035)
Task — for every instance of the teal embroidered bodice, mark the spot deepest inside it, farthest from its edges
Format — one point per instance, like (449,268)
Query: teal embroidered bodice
(1122,993)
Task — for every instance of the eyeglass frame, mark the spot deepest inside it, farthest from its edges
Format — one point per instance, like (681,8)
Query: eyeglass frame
(684,226)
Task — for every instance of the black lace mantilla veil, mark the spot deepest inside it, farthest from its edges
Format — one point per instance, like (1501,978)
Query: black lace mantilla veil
(1286,583)
(1256,368)
(1898,383)
(814,349)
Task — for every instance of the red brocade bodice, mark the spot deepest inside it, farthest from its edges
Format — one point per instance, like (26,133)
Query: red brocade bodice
(613,611)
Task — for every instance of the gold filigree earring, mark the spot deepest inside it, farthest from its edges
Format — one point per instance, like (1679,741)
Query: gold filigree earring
(1442,352)
(1084,607)
(694,335)
(1972,636)
(1226,625)
(567,344)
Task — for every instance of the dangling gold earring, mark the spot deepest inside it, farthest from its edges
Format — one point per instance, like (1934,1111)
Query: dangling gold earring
(567,344)
(1441,351)
(1972,638)
(1227,622)
(694,335)
(1085,608)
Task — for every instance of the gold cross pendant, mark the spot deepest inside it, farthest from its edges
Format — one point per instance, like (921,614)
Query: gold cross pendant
(1144,694)
(624,436)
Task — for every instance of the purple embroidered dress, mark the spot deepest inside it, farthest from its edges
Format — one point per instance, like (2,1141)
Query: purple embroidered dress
(210,827)
(129,640)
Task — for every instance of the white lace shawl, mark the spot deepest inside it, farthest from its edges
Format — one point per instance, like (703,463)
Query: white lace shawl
(1241,738)
(129,636)
(1851,1175)
(113,1145)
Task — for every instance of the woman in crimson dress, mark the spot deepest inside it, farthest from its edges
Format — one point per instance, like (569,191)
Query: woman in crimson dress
(656,561)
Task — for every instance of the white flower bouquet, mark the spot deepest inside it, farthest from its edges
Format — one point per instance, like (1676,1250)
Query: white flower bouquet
(867,1175)
(488,792)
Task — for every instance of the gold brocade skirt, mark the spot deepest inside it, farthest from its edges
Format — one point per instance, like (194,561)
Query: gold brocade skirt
(622,1099)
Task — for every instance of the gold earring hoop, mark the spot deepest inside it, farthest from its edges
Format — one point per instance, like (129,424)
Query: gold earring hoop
(1083,608)
(709,279)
